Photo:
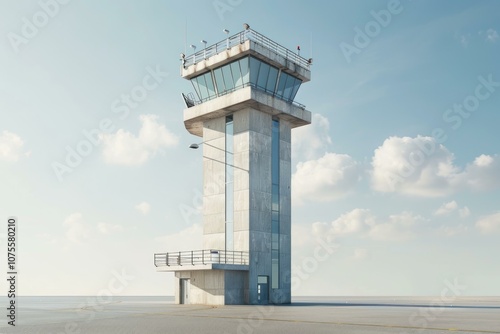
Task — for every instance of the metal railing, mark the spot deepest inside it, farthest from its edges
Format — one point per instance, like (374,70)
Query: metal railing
(191,101)
(240,38)
(200,257)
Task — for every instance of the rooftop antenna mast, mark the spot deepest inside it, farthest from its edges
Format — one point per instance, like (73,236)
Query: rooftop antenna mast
(185,36)
(311,46)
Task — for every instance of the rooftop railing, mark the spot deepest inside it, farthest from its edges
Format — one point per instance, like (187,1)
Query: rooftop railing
(240,38)
(200,257)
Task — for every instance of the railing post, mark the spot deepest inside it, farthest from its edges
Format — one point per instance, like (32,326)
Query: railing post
(192,258)
(167,260)
(203,256)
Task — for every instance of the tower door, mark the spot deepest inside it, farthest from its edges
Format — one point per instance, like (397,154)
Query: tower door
(262,290)
(184,291)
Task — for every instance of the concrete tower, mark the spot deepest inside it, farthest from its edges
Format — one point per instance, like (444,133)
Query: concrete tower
(243,109)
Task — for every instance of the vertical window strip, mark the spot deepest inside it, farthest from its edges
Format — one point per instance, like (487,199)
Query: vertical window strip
(229,180)
(275,207)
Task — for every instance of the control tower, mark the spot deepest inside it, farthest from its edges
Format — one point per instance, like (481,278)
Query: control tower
(243,110)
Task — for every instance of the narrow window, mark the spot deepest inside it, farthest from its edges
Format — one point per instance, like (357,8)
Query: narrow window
(275,205)
(229,184)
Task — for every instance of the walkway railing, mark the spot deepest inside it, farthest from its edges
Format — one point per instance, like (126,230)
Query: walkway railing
(191,101)
(200,257)
(241,37)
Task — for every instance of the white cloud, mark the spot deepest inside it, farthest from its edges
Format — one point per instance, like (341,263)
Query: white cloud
(363,223)
(124,148)
(483,160)
(446,208)
(464,212)
(311,141)
(398,228)
(190,238)
(414,166)
(143,207)
(450,231)
(492,35)
(77,230)
(419,166)
(355,221)
(106,228)
(482,174)
(489,224)
(328,178)
(10,146)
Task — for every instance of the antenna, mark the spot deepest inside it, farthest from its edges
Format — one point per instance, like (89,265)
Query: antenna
(311,46)
(185,36)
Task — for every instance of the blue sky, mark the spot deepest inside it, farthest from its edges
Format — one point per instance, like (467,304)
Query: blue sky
(399,170)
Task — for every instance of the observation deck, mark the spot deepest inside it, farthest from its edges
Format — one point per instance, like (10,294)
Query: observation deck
(245,70)
(207,259)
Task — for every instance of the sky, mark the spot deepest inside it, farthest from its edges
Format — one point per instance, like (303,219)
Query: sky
(396,187)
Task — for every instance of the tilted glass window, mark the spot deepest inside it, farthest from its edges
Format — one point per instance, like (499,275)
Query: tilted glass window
(263,74)
(196,88)
(290,81)
(202,86)
(210,85)
(296,87)
(254,70)
(271,80)
(245,73)
(281,84)
(235,70)
(288,86)
(239,73)
(228,77)
(219,81)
